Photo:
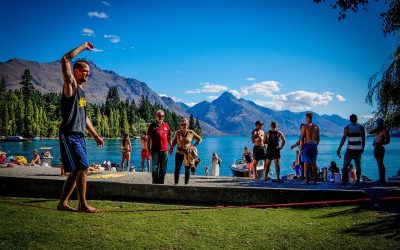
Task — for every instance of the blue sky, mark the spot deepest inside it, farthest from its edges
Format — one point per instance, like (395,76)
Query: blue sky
(285,54)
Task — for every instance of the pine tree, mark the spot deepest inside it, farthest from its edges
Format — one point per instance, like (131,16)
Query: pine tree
(198,129)
(3,88)
(192,124)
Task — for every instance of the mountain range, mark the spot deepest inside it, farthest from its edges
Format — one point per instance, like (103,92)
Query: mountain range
(226,115)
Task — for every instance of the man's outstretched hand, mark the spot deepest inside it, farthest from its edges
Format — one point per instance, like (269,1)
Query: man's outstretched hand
(88,45)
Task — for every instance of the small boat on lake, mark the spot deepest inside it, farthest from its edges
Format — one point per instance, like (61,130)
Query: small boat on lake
(239,169)
(13,138)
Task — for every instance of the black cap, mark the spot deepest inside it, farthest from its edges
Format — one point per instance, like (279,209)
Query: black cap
(259,123)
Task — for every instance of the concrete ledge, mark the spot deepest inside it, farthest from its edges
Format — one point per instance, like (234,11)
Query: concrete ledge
(50,188)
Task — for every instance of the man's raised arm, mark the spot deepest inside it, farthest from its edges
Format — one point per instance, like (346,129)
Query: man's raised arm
(69,81)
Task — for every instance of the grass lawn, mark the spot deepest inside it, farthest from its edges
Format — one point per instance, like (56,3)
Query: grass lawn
(155,226)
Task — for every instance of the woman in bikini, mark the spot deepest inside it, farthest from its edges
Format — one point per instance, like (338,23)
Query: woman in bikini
(126,148)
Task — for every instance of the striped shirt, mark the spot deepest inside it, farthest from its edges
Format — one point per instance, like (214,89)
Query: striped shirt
(355,137)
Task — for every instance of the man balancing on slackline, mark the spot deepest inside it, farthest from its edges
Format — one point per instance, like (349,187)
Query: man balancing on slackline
(72,129)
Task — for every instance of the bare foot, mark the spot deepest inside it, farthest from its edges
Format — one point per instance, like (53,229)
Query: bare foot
(86,208)
(67,208)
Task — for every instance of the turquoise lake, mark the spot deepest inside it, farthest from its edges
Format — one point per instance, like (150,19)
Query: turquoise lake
(228,148)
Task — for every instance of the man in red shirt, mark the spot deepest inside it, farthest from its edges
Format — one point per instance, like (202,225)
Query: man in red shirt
(160,137)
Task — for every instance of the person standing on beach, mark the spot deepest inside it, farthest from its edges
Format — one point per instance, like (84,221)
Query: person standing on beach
(145,153)
(272,139)
(183,138)
(216,163)
(257,138)
(382,137)
(355,147)
(72,129)
(160,137)
(300,160)
(247,156)
(126,147)
(309,141)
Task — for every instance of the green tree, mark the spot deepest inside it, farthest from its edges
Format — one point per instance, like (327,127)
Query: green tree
(3,88)
(383,86)
(192,124)
(198,129)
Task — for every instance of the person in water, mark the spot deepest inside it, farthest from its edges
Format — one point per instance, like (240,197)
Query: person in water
(272,139)
(309,141)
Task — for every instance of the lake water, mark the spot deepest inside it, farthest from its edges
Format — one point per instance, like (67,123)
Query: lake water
(228,148)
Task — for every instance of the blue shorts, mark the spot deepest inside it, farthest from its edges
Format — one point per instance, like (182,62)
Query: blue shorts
(309,152)
(73,151)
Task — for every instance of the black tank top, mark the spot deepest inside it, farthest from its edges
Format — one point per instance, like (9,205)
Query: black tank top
(248,158)
(273,140)
(73,112)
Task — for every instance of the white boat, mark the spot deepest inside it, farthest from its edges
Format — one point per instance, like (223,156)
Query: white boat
(239,169)
(46,156)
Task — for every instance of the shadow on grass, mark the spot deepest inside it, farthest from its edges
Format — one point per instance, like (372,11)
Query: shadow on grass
(387,225)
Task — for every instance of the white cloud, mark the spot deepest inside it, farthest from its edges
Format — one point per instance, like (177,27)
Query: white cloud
(174,98)
(208,88)
(132,47)
(236,93)
(211,98)
(340,98)
(96,50)
(367,116)
(113,38)
(105,3)
(87,32)
(190,104)
(97,14)
(213,88)
(265,88)
(250,79)
(297,101)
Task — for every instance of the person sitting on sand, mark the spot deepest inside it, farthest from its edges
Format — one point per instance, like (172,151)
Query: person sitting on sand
(333,168)
(36,158)
(3,157)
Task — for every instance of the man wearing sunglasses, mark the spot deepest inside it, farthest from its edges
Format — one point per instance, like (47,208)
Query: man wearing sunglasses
(160,137)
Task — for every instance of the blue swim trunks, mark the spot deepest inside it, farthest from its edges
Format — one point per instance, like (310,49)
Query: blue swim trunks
(73,151)
(309,152)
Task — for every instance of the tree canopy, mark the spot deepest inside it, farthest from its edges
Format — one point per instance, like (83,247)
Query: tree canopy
(384,85)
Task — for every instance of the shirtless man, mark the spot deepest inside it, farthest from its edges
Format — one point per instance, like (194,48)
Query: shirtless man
(309,141)
(382,137)
(257,138)
(145,154)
